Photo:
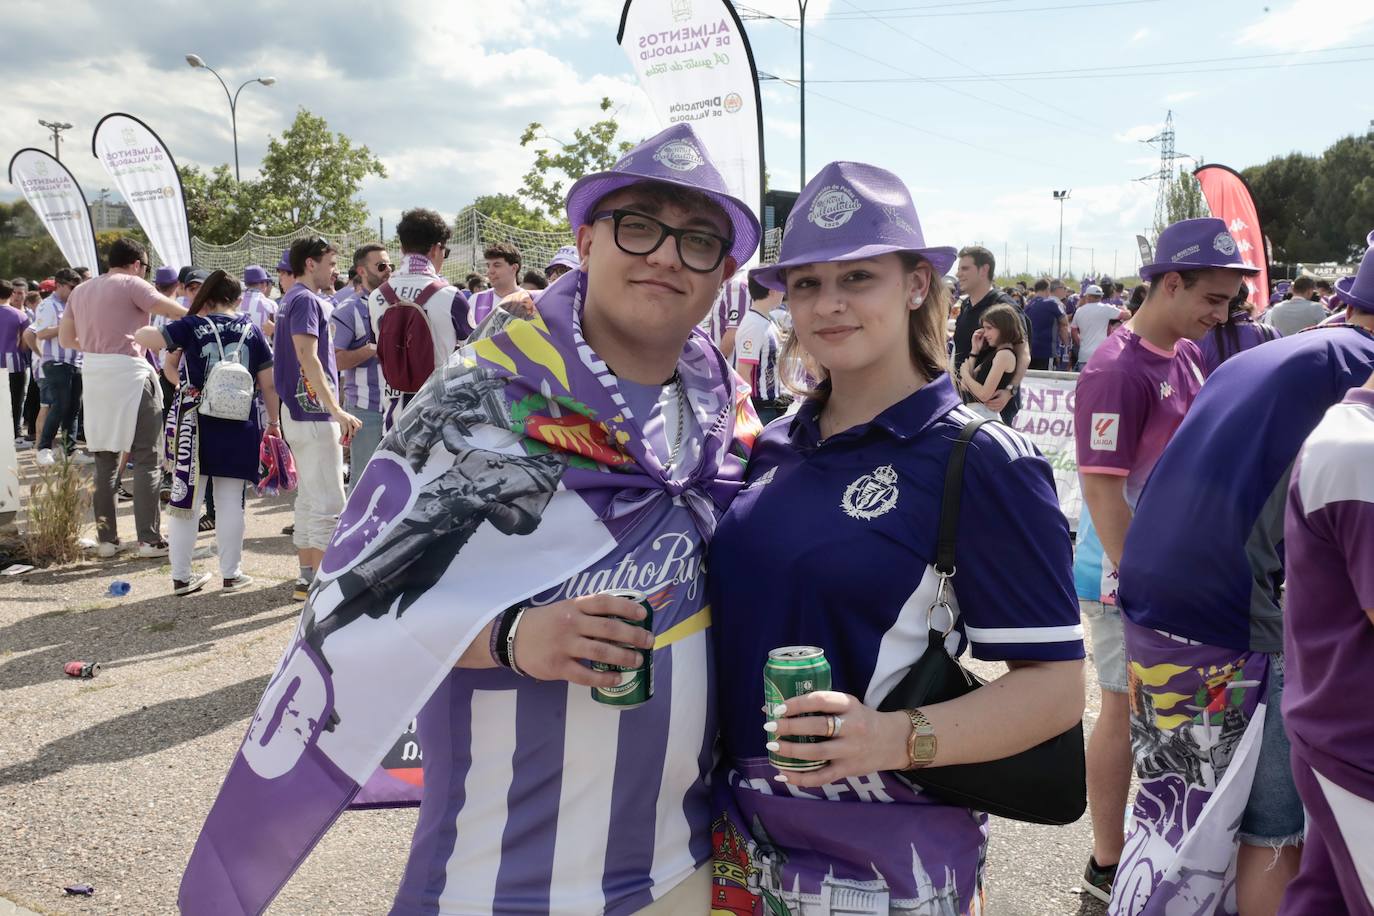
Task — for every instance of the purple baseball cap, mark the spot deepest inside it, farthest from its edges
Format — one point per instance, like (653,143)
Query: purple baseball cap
(566,257)
(675,156)
(1196,244)
(254,274)
(285,262)
(1358,291)
(847,212)
(165,277)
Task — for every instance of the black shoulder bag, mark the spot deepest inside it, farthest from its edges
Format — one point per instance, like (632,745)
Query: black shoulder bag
(1043,785)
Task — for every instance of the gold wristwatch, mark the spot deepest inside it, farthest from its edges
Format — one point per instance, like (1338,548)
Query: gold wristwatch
(921,743)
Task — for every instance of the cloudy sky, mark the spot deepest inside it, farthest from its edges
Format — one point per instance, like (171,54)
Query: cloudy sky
(441,91)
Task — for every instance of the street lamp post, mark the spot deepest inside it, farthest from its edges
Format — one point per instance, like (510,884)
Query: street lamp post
(1061,196)
(197,63)
(801,79)
(56,127)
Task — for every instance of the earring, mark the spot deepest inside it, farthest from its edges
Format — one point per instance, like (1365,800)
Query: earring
(917,300)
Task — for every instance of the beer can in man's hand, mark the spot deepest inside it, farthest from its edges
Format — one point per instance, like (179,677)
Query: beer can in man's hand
(793,671)
(636,685)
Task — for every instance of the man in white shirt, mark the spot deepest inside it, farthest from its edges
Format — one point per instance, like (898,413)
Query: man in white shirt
(1092,323)
(424,236)
(1299,313)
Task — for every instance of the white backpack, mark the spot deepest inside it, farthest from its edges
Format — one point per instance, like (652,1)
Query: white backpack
(228,391)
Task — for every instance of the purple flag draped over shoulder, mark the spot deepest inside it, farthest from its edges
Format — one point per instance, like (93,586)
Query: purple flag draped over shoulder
(517,465)
(1197,714)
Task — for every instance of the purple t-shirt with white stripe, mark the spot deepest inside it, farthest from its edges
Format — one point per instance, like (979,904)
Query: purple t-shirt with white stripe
(13,321)
(554,802)
(1329,639)
(49,315)
(352,329)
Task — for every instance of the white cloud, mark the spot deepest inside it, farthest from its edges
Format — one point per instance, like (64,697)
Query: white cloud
(1308,25)
(1138,133)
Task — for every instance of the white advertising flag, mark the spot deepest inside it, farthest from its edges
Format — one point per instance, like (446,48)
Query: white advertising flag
(57,199)
(146,176)
(694,62)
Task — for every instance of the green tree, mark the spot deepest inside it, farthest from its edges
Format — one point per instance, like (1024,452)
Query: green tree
(1345,196)
(219,209)
(593,149)
(1285,190)
(26,248)
(1182,200)
(509,209)
(311,176)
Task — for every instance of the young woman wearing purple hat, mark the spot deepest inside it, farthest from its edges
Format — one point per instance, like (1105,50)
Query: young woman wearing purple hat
(831,545)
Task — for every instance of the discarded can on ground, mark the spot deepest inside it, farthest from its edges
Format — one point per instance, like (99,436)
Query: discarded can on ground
(119,588)
(81,669)
(78,890)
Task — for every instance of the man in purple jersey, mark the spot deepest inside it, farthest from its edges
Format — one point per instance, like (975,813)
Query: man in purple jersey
(61,383)
(13,323)
(314,422)
(1329,645)
(1131,396)
(355,354)
(503,273)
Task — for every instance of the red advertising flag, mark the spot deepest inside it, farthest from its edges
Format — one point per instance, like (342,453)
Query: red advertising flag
(1229,197)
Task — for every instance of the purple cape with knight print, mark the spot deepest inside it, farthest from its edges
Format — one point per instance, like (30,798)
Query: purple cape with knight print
(517,465)
(1197,715)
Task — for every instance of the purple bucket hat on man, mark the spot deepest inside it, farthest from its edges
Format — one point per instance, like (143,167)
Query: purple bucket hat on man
(675,156)
(1196,244)
(253,273)
(1358,291)
(566,257)
(285,262)
(165,277)
(850,211)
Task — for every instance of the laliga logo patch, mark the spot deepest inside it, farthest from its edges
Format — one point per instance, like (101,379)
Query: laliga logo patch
(679,155)
(1224,243)
(1106,428)
(833,207)
(872,494)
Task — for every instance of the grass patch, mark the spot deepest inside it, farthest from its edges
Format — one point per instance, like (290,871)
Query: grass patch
(56,511)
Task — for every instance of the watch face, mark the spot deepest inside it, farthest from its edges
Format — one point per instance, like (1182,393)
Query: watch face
(924,747)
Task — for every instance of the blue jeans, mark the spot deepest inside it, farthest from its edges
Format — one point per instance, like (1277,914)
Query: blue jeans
(62,385)
(364,443)
(1273,816)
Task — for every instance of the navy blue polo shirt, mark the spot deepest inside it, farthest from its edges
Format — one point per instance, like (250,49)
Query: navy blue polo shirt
(831,544)
(1204,553)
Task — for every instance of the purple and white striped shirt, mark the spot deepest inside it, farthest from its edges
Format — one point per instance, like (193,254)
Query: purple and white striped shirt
(352,328)
(49,315)
(13,322)
(730,305)
(259,309)
(553,802)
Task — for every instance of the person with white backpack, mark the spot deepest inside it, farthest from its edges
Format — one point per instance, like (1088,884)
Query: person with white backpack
(214,432)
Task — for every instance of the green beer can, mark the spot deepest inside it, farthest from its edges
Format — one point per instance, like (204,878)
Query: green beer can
(790,672)
(636,685)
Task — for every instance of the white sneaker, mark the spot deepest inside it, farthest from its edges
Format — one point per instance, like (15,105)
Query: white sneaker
(80,458)
(191,585)
(105,550)
(149,551)
(22,445)
(45,458)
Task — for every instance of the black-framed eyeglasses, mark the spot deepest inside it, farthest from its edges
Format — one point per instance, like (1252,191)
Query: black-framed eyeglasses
(640,234)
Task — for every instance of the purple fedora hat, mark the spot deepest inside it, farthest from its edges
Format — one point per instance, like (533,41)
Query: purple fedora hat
(164,277)
(253,273)
(566,257)
(1196,244)
(1358,291)
(675,156)
(847,212)
(285,262)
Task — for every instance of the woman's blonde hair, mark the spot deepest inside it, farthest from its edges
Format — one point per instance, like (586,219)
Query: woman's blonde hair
(925,334)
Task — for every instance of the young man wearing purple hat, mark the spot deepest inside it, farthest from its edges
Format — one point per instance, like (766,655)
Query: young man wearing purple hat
(1329,642)
(564,260)
(257,305)
(1212,625)
(285,277)
(1131,397)
(593,446)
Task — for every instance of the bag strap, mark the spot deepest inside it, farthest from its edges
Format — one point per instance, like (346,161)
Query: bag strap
(949,503)
(388,293)
(238,346)
(428,292)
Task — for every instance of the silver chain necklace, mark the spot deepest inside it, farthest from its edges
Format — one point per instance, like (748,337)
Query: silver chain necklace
(681,410)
